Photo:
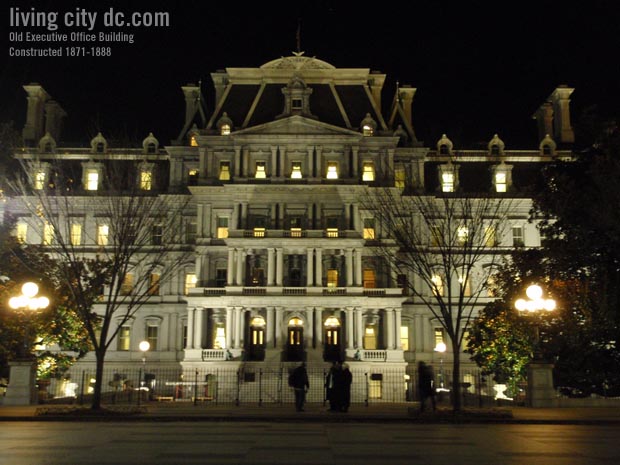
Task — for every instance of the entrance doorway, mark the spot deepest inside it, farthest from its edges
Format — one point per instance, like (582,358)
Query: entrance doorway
(333,347)
(256,342)
(295,340)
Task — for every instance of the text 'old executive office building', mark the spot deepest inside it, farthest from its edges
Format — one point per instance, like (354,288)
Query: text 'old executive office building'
(284,263)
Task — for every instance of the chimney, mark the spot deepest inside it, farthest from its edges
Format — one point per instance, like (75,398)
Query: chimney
(54,115)
(34,127)
(405,94)
(220,81)
(192,101)
(375,82)
(544,119)
(563,131)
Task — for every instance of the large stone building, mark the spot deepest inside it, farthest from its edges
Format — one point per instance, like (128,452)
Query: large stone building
(285,267)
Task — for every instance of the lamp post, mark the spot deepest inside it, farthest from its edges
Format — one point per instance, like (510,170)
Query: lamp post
(144,347)
(540,390)
(535,303)
(20,390)
(441,348)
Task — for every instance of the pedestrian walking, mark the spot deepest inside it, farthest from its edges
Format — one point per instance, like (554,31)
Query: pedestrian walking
(426,385)
(298,380)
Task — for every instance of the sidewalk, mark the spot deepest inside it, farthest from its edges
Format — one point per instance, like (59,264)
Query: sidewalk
(380,413)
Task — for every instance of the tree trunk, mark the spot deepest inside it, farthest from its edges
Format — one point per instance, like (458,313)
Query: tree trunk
(96,403)
(456,381)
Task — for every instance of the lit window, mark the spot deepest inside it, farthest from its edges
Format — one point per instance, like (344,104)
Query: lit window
(146,180)
(500,182)
(296,171)
(296,232)
(490,236)
(332,278)
(369,279)
(154,284)
(21,232)
(404,337)
(224,171)
(219,341)
(192,177)
(370,337)
(39,180)
(124,338)
(491,286)
(517,236)
(369,228)
(225,129)
(260,170)
(48,234)
(399,178)
(367,130)
(259,232)
(193,142)
(127,284)
(447,182)
(368,172)
(436,236)
(465,286)
(439,339)
(222,227)
(332,232)
(190,282)
(332,170)
(375,386)
(103,232)
(76,234)
(437,285)
(92,180)
(462,235)
(152,334)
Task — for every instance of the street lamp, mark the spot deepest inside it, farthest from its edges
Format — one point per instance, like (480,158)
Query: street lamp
(535,303)
(20,390)
(144,346)
(441,348)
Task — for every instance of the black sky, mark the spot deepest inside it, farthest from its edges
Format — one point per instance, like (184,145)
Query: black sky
(480,67)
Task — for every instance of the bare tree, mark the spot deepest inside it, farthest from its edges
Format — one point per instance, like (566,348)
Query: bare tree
(114,247)
(448,243)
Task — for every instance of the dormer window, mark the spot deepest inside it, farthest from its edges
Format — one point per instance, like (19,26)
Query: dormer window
(368,126)
(146,180)
(367,130)
(368,172)
(496,146)
(193,142)
(447,182)
(100,147)
(296,104)
(546,150)
(495,150)
(224,124)
(443,150)
(192,177)
(39,180)
(225,129)
(500,182)
(332,170)
(260,170)
(224,171)
(151,148)
(92,180)
(296,170)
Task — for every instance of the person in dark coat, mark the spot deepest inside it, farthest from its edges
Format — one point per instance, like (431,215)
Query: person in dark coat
(331,387)
(346,380)
(426,385)
(300,383)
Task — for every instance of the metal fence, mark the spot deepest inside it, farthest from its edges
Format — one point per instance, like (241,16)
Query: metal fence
(262,385)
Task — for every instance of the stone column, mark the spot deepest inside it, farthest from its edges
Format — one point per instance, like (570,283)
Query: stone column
(198,328)
(271,271)
(319,162)
(349,266)
(398,324)
(270,342)
(190,328)
(230,267)
(390,161)
(274,161)
(229,326)
(279,266)
(356,217)
(355,157)
(310,167)
(319,268)
(243,224)
(240,267)
(238,325)
(173,328)
(279,341)
(349,323)
(358,267)
(234,221)
(418,335)
(309,267)
(246,162)
(389,325)
(310,319)
(237,161)
(318,334)
(359,328)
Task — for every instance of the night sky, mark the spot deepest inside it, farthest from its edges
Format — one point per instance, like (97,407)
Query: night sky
(480,67)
